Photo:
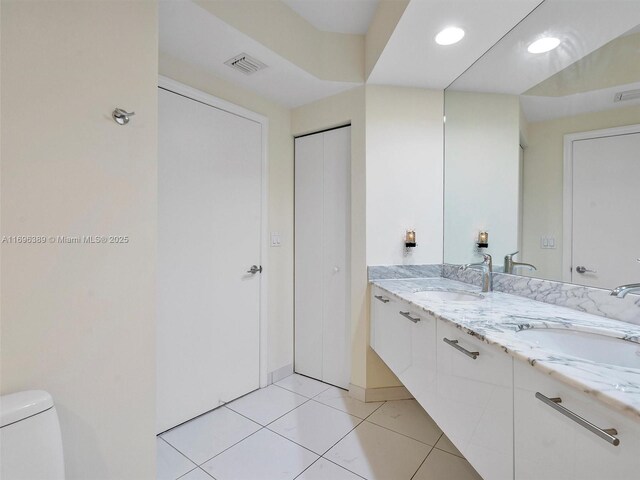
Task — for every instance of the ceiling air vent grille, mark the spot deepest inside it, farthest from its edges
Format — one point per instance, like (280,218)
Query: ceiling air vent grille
(628,95)
(245,64)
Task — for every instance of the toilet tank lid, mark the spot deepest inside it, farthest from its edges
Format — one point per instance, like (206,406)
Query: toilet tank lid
(18,406)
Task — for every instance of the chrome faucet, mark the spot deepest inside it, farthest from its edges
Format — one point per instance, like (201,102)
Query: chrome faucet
(510,264)
(622,290)
(487,272)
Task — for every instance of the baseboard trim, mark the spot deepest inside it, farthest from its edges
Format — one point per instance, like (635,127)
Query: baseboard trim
(279,374)
(381,394)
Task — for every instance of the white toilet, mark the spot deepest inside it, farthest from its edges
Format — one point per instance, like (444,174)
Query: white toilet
(30,440)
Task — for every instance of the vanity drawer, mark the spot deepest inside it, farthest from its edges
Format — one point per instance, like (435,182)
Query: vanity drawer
(474,400)
(391,330)
(552,444)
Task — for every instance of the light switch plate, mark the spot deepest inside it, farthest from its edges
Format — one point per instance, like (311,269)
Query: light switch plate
(547,242)
(275,239)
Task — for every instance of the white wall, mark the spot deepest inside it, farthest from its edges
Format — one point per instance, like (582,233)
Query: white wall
(404,174)
(481,174)
(543,172)
(280,151)
(78,319)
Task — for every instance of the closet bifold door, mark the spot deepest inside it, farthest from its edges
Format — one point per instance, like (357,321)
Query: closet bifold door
(309,165)
(322,228)
(336,367)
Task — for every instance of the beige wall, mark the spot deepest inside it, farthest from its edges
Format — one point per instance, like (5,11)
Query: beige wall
(482,136)
(404,174)
(543,174)
(382,26)
(78,319)
(280,152)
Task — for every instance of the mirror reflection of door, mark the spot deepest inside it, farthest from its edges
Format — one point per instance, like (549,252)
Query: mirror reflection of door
(605,233)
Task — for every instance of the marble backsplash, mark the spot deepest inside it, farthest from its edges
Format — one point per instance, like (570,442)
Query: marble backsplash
(596,301)
(379,272)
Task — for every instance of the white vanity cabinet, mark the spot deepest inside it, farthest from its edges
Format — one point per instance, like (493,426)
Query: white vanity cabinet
(549,445)
(474,403)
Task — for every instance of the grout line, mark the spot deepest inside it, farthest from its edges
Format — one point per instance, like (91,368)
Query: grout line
(287,412)
(229,447)
(179,451)
(343,467)
(184,474)
(340,410)
(298,393)
(407,436)
(313,463)
(207,473)
(422,463)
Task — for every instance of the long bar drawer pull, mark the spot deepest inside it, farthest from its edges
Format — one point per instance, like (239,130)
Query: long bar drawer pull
(382,299)
(454,344)
(604,433)
(408,315)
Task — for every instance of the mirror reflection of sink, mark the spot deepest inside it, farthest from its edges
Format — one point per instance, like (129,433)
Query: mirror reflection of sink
(447,296)
(598,348)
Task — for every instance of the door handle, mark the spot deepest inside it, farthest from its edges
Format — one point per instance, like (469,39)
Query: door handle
(581,269)
(255,269)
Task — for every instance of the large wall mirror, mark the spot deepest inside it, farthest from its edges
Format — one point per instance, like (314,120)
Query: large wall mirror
(542,147)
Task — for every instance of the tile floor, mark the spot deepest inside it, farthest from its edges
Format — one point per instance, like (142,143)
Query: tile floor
(304,429)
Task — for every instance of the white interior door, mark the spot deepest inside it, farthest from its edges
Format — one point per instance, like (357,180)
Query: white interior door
(606,202)
(322,334)
(209,227)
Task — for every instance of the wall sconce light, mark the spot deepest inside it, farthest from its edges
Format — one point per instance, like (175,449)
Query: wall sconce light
(483,240)
(409,241)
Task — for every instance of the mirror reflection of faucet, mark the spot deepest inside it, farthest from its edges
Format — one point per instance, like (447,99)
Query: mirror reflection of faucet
(510,264)
(622,290)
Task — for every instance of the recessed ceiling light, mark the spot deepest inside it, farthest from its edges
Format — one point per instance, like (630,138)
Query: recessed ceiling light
(544,44)
(449,36)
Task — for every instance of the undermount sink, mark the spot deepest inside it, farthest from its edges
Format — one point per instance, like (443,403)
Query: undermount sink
(447,296)
(594,347)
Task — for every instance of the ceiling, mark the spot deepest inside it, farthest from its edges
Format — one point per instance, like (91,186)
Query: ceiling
(338,16)
(198,37)
(195,36)
(412,58)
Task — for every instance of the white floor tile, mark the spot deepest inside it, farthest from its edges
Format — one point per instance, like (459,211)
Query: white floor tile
(340,399)
(197,474)
(267,404)
(376,453)
(170,464)
(445,444)
(441,465)
(408,418)
(315,426)
(264,456)
(325,470)
(303,385)
(204,437)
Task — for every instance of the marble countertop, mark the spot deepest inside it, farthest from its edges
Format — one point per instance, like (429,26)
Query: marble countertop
(498,317)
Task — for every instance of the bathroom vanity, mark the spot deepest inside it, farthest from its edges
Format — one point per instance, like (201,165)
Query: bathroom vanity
(524,389)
